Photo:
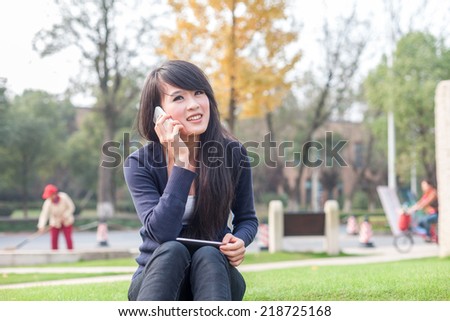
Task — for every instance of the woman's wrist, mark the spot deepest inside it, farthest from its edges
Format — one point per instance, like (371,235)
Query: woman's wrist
(185,164)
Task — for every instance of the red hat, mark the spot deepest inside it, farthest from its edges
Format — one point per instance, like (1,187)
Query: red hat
(49,190)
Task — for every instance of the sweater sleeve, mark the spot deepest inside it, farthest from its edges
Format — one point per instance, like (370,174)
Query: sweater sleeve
(161,215)
(67,216)
(43,217)
(245,222)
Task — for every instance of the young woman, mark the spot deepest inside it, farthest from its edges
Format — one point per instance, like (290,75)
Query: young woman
(191,181)
(429,204)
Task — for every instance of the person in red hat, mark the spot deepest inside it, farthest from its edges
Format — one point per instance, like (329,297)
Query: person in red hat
(58,209)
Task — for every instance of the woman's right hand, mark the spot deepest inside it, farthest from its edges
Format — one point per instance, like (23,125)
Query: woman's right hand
(168,131)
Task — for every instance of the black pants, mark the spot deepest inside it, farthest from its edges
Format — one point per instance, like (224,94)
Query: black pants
(174,273)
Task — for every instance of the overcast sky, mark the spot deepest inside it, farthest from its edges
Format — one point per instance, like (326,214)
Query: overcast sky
(21,19)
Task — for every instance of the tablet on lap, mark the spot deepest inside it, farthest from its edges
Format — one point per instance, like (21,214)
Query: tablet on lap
(196,243)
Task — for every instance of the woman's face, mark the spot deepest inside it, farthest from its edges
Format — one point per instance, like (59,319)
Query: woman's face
(189,107)
(425,186)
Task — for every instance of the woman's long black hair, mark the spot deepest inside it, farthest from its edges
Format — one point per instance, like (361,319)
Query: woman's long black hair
(216,174)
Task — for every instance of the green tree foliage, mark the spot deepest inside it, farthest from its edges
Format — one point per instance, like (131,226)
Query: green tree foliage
(82,155)
(3,99)
(4,104)
(407,88)
(34,129)
(108,49)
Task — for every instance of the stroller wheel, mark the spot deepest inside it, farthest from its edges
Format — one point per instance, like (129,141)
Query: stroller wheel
(403,242)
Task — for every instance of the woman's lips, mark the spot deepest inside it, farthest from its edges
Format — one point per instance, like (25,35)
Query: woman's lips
(194,117)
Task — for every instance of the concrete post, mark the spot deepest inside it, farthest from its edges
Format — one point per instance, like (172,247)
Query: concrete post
(331,210)
(442,130)
(276,226)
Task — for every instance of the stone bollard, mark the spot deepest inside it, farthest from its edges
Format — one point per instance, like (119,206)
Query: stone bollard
(442,132)
(276,226)
(331,210)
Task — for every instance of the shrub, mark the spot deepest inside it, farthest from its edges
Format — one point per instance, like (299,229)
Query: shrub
(267,197)
(6,210)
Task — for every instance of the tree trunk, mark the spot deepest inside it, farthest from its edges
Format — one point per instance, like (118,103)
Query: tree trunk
(232,104)
(25,188)
(349,196)
(348,204)
(232,107)
(269,122)
(106,181)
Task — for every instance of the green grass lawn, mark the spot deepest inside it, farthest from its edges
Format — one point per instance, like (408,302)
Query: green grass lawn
(266,257)
(253,258)
(423,279)
(13,278)
(113,291)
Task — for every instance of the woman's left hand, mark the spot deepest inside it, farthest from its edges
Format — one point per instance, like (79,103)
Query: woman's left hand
(233,248)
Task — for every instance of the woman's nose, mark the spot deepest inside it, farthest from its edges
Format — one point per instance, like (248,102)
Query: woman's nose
(193,104)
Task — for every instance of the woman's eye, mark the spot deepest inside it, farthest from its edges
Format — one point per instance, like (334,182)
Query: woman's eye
(178,98)
(199,92)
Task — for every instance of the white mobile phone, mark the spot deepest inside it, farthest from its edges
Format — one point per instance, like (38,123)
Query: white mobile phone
(158,112)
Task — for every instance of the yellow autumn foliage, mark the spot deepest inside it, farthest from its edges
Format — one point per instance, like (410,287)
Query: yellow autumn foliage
(247,48)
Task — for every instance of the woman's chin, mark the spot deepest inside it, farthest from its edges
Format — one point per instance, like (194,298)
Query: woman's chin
(190,134)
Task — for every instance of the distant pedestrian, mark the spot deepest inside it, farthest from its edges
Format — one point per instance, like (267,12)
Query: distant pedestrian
(58,209)
(365,233)
(352,226)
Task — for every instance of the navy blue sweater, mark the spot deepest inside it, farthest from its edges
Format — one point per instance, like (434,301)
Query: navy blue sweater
(160,200)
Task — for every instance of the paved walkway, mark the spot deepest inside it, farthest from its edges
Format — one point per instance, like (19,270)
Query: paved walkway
(364,256)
